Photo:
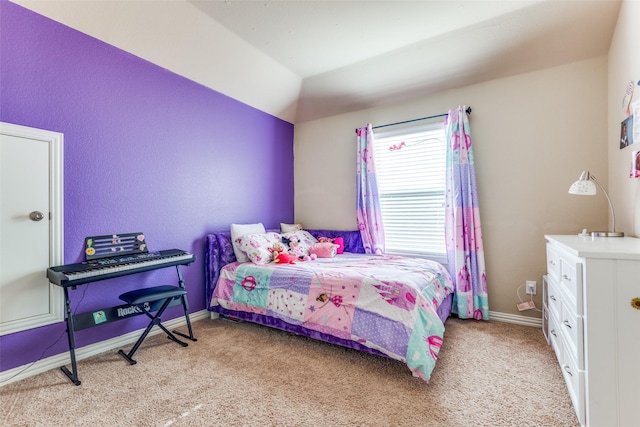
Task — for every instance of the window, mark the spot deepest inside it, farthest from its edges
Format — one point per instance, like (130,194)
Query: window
(410,165)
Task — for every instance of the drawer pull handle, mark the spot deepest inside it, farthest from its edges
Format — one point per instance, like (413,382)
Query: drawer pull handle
(567,369)
(553,297)
(552,262)
(567,324)
(565,277)
(553,332)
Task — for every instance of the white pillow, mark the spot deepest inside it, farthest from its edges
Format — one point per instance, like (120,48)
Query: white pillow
(239,230)
(285,228)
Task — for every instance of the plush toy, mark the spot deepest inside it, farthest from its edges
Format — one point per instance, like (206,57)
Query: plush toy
(323,250)
(339,241)
(285,258)
(294,246)
(308,257)
(276,250)
(278,247)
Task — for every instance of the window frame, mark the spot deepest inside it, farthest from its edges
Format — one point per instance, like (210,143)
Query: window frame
(382,137)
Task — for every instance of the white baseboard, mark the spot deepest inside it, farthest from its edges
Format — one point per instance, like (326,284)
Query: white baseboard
(31,369)
(515,318)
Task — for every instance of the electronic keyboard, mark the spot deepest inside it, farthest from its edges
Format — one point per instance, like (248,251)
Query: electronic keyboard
(108,268)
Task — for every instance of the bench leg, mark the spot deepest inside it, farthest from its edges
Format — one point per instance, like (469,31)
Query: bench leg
(155,320)
(185,305)
(171,336)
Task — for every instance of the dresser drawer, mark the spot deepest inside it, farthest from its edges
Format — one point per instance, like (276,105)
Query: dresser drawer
(554,299)
(545,323)
(553,262)
(555,337)
(572,329)
(571,281)
(575,379)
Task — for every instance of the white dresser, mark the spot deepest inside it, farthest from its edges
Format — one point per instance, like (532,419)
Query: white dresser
(593,310)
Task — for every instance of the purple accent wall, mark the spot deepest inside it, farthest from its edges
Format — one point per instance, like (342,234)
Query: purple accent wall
(144,150)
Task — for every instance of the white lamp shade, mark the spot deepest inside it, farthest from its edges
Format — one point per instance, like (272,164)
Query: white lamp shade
(586,186)
(583,187)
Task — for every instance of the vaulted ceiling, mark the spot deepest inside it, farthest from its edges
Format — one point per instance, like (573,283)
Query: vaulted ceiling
(306,59)
(355,54)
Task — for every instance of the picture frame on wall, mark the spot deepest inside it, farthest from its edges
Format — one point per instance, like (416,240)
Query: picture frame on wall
(635,164)
(626,132)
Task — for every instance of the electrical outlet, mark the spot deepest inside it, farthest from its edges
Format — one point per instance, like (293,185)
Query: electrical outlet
(531,287)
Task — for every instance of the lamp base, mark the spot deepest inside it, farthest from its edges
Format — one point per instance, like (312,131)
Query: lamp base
(606,234)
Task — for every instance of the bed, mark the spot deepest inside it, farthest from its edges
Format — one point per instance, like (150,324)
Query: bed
(385,305)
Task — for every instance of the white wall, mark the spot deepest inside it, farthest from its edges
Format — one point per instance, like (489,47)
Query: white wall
(624,66)
(532,133)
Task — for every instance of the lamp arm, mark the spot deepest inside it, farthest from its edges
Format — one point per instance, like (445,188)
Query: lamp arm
(613,214)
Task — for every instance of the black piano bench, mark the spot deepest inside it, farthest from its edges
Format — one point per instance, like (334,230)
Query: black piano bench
(156,293)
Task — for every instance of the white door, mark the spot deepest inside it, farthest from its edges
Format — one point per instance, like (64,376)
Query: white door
(30,227)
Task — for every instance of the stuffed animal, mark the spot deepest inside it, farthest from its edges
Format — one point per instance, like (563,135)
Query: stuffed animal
(276,250)
(285,258)
(308,257)
(294,246)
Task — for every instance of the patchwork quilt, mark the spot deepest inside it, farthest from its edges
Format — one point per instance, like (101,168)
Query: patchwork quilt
(383,302)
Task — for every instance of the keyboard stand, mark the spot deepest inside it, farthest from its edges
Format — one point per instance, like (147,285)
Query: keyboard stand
(73,374)
(79,321)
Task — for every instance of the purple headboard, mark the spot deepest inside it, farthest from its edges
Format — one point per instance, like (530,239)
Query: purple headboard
(219,252)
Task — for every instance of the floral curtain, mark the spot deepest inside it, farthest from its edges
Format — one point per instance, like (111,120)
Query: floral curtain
(465,253)
(368,203)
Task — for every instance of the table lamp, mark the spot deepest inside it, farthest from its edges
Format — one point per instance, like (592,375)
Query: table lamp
(585,186)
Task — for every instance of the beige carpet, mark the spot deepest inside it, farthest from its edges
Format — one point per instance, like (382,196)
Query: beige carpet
(488,374)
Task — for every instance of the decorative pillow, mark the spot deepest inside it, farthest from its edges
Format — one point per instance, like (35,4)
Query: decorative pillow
(323,250)
(299,242)
(336,240)
(239,230)
(260,248)
(285,228)
(340,242)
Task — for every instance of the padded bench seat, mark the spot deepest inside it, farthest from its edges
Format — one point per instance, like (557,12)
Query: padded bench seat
(155,293)
(138,297)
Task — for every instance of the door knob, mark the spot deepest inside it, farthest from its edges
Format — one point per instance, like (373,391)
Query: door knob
(36,216)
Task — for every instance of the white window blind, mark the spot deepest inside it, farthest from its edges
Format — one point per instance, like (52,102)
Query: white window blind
(410,166)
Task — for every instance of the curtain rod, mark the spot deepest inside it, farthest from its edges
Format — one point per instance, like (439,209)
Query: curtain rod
(468,110)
